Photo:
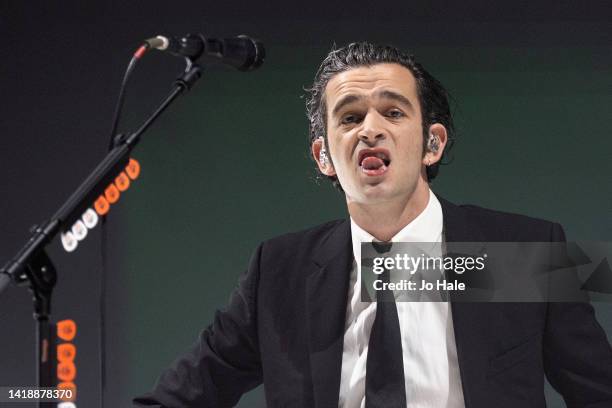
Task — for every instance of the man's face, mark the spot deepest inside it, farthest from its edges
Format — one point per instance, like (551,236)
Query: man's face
(374,133)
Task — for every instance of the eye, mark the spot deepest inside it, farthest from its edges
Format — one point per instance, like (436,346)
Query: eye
(348,119)
(395,113)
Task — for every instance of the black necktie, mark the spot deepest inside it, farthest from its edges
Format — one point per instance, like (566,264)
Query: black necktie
(385,385)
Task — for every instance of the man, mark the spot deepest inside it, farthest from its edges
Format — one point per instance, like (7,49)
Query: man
(379,127)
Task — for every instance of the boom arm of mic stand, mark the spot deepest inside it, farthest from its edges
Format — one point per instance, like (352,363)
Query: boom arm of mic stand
(90,189)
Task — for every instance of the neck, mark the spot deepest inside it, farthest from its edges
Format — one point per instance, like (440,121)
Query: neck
(384,220)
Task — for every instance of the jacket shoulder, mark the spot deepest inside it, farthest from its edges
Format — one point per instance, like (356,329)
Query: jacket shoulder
(302,242)
(507,226)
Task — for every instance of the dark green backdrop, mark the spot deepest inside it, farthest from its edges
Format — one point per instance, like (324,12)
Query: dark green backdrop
(228,167)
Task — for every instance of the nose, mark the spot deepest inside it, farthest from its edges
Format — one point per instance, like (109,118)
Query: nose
(372,129)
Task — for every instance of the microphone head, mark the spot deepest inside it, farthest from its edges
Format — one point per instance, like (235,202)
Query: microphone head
(242,52)
(255,55)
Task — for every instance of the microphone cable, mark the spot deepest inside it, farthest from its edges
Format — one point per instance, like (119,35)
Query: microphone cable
(121,97)
(104,235)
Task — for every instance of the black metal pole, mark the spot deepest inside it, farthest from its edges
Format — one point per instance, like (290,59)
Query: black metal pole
(45,355)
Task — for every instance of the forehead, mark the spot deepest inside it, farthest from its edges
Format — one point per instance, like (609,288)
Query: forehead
(370,79)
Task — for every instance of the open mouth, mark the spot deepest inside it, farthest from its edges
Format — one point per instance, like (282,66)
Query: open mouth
(374,162)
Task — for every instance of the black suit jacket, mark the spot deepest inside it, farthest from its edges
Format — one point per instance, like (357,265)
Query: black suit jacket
(284,325)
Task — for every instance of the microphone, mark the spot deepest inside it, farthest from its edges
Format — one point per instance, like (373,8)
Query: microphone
(242,52)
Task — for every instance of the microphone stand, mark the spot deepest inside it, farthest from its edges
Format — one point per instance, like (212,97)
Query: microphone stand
(33,267)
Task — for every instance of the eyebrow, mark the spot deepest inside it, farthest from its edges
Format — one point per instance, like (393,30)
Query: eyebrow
(384,94)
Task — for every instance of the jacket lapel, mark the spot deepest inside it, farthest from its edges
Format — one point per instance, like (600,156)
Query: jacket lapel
(326,297)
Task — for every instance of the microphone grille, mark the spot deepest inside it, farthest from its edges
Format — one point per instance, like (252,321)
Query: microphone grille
(256,54)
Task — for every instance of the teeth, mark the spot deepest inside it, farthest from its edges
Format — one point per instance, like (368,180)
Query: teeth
(381,156)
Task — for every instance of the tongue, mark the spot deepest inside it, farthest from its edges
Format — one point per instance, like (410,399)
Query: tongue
(372,163)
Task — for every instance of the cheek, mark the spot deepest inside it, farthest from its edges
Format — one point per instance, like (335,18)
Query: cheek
(411,155)
(415,145)
(339,148)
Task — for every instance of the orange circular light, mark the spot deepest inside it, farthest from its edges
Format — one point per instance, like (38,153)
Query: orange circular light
(112,194)
(66,352)
(133,169)
(66,371)
(101,205)
(122,181)
(66,329)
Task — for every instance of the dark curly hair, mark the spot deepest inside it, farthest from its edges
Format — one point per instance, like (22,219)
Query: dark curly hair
(433,98)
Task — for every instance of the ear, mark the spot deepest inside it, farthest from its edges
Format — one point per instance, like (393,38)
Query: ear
(326,167)
(437,131)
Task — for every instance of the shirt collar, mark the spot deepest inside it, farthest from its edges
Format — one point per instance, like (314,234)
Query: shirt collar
(426,227)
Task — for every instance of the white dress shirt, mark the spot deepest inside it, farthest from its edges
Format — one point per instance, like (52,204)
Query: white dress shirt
(429,351)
